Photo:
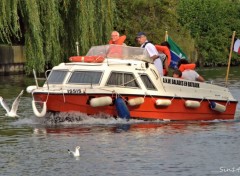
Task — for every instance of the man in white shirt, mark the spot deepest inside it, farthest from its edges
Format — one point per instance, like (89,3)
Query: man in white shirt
(153,53)
(189,74)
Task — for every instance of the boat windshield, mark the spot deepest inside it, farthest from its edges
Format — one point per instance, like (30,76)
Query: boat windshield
(120,52)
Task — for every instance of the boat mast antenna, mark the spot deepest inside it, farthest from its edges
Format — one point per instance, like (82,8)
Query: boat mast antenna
(77,45)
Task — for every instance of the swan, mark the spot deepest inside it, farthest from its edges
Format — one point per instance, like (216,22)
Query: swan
(13,111)
(76,153)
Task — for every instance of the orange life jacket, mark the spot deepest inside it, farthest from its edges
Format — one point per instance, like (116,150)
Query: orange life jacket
(120,41)
(116,51)
(186,67)
(165,50)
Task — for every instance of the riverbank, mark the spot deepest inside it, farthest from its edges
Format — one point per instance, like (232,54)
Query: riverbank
(12,60)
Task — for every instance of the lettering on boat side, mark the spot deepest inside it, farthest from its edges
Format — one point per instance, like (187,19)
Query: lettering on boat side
(180,82)
(74,91)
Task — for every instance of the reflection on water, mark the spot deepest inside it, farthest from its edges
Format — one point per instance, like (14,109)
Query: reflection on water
(109,146)
(218,76)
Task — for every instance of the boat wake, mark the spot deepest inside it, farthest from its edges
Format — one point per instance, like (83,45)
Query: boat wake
(75,123)
(81,118)
(76,118)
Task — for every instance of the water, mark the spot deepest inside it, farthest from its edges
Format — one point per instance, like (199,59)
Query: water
(32,146)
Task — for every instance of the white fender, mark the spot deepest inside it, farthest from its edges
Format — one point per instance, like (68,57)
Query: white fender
(192,104)
(29,89)
(162,102)
(101,101)
(217,107)
(35,110)
(136,101)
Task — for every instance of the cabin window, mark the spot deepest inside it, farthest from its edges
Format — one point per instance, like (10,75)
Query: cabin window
(147,82)
(122,79)
(85,77)
(56,76)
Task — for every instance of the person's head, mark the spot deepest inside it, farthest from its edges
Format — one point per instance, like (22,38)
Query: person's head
(165,43)
(114,36)
(182,61)
(177,73)
(141,38)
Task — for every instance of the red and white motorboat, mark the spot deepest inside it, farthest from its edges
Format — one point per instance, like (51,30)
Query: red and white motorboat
(122,81)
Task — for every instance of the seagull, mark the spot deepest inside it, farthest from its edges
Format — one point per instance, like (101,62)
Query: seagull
(13,111)
(76,153)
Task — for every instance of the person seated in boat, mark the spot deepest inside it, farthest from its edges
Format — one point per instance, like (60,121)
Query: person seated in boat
(177,73)
(152,51)
(188,71)
(164,48)
(116,39)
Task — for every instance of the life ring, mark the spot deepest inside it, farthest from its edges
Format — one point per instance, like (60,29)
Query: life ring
(42,113)
(187,67)
(88,59)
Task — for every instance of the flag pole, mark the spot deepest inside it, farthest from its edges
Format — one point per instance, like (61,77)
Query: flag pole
(229,58)
(166,36)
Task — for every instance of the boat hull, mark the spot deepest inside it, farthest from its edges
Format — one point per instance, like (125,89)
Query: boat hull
(148,110)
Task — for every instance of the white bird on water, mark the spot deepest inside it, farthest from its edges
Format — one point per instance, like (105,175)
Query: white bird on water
(13,111)
(76,153)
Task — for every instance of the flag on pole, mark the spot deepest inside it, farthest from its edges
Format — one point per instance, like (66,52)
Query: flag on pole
(236,46)
(176,53)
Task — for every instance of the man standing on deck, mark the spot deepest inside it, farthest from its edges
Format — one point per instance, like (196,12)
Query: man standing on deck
(115,50)
(153,53)
(116,38)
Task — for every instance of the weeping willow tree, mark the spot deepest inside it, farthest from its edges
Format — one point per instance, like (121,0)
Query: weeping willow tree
(9,21)
(50,28)
(33,35)
(94,19)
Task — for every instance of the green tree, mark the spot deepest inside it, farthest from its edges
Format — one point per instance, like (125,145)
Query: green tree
(211,22)
(154,18)
(9,21)
(50,28)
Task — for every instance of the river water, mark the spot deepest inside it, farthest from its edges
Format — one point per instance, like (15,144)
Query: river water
(32,146)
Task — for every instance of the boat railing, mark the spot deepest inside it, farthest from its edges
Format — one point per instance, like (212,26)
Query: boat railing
(120,52)
(38,79)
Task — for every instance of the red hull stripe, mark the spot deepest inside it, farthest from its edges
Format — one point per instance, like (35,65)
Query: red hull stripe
(148,110)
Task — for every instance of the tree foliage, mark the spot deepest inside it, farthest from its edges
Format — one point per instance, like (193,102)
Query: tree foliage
(211,23)
(49,28)
(9,20)
(154,18)
(33,35)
